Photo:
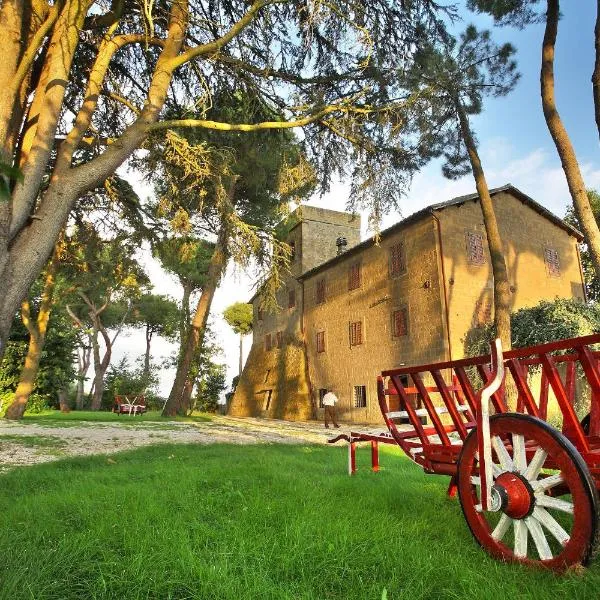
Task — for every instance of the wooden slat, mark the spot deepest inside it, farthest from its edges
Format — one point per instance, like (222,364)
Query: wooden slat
(449,402)
(433,413)
(525,396)
(467,388)
(569,417)
(460,398)
(414,420)
(590,367)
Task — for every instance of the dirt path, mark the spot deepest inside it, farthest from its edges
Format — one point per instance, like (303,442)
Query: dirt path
(27,444)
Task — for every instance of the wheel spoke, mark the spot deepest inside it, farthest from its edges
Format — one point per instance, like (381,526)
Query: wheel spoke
(557,503)
(503,456)
(539,538)
(519,456)
(520,538)
(475,480)
(547,483)
(536,464)
(502,527)
(550,523)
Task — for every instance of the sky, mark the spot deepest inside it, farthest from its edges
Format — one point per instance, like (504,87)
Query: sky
(514,145)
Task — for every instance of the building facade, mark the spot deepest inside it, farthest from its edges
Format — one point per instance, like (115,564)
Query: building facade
(409,299)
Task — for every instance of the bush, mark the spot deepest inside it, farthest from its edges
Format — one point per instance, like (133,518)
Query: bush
(548,321)
(209,388)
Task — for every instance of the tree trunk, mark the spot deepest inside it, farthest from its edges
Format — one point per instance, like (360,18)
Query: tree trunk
(596,73)
(241,353)
(184,323)
(559,134)
(37,337)
(147,355)
(500,272)
(100,364)
(63,401)
(176,403)
(83,360)
(27,379)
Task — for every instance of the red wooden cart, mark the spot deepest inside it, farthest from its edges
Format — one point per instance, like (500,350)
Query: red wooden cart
(528,489)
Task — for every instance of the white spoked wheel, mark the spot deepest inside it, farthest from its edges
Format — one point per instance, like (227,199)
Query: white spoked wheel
(544,502)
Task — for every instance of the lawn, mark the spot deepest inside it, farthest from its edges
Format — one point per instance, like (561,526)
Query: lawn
(233,522)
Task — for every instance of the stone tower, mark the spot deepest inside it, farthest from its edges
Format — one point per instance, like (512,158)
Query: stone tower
(274,382)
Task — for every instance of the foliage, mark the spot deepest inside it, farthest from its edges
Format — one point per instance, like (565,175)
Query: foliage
(123,379)
(239,317)
(209,388)
(589,274)
(515,13)
(187,257)
(157,314)
(56,369)
(546,322)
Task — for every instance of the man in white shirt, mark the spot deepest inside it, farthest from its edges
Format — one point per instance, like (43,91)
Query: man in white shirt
(329,402)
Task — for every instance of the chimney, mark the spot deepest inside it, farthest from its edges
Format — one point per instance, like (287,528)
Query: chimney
(341,244)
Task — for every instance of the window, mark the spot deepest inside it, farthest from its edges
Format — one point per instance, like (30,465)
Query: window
(360,396)
(267,375)
(475,253)
(400,322)
(356,333)
(320,341)
(291,298)
(320,291)
(397,260)
(268,342)
(279,339)
(322,392)
(552,262)
(354,276)
(259,313)
(292,246)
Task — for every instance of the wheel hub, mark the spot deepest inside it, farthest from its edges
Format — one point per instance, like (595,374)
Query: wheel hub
(514,495)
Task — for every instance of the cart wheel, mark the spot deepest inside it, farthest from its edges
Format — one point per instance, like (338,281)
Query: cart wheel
(545,499)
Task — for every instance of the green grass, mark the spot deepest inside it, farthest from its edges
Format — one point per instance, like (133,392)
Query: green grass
(233,522)
(34,441)
(54,418)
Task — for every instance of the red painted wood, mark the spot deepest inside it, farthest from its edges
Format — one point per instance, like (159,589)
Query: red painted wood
(407,406)
(570,420)
(450,405)
(433,415)
(374,456)
(460,398)
(467,388)
(526,399)
(544,396)
(498,397)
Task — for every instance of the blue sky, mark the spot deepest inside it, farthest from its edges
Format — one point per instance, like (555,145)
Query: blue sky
(519,116)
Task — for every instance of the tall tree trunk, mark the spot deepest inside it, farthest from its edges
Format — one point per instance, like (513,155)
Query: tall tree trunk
(184,322)
(176,404)
(596,73)
(147,355)
(37,337)
(100,364)
(500,272)
(559,134)
(83,360)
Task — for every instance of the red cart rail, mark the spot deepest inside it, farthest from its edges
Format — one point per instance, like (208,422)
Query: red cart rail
(532,497)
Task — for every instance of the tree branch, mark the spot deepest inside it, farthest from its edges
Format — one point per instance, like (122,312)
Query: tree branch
(216,45)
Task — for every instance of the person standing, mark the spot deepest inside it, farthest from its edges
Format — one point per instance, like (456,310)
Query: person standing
(329,402)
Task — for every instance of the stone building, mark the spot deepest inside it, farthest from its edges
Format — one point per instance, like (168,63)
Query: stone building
(350,311)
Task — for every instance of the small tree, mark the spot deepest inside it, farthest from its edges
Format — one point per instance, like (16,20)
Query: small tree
(239,317)
(592,281)
(158,315)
